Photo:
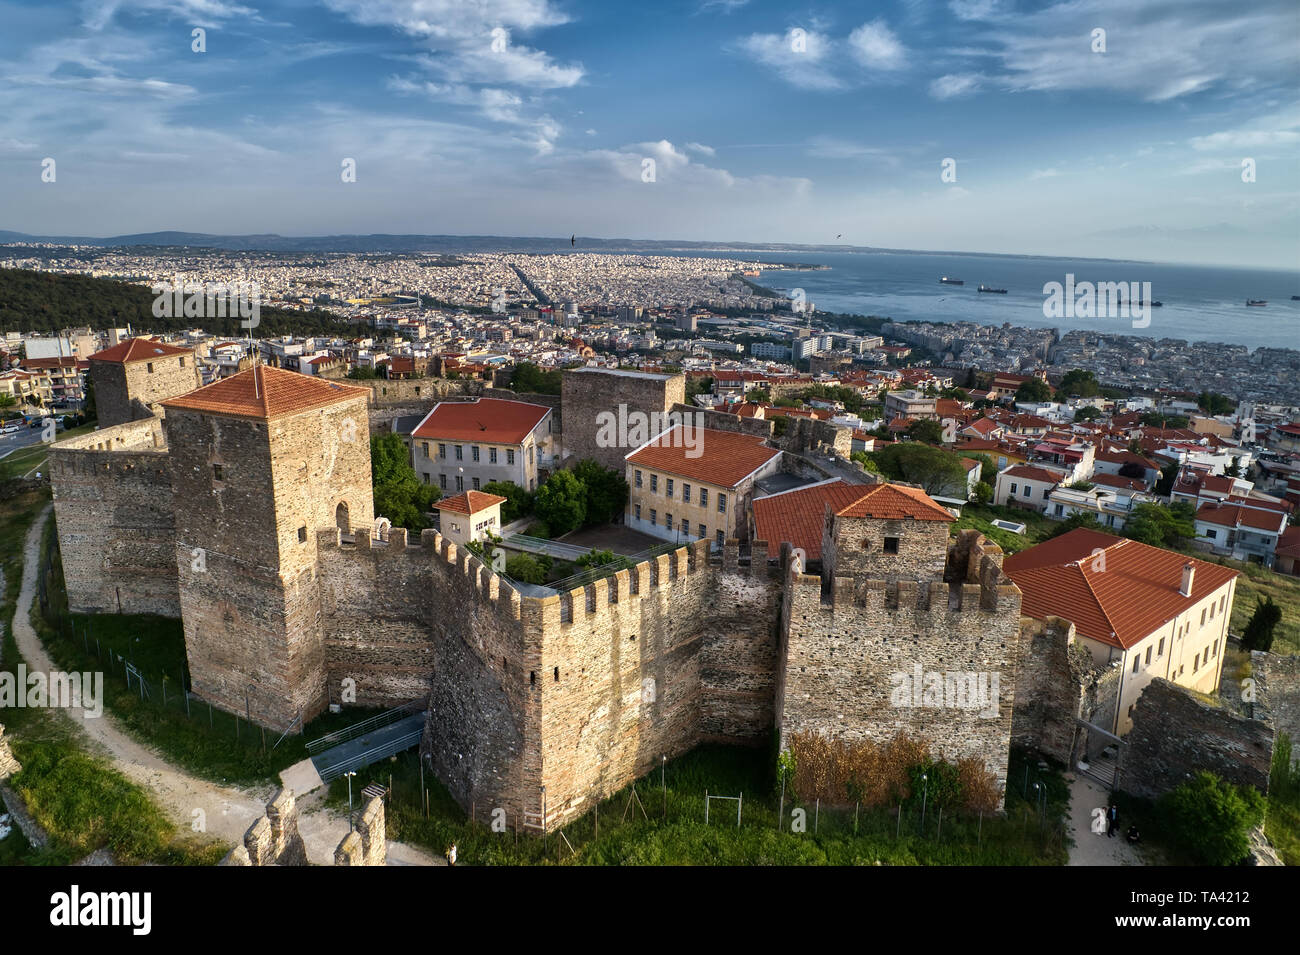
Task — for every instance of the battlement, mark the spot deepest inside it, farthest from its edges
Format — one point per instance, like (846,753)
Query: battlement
(431,546)
(993,593)
(143,435)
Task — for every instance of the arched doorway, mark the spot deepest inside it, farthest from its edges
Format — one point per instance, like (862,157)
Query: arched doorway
(341,520)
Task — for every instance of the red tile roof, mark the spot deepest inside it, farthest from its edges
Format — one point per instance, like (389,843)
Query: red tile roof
(1234,515)
(469,502)
(724,458)
(798,516)
(1114,480)
(1113,590)
(1031,473)
(1288,544)
(894,502)
(138,349)
(486,420)
(265,392)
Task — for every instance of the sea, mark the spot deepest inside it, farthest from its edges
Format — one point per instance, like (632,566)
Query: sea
(1200,303)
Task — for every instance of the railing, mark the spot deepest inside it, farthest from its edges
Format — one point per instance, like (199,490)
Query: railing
(373,755)
(593,574)
(380,720)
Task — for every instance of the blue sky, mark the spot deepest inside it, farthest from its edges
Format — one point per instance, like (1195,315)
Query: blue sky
(767,122)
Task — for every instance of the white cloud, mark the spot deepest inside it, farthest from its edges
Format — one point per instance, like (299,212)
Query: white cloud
(1051,173)
(700,148)
(874,45)
(797,57)
(955,84)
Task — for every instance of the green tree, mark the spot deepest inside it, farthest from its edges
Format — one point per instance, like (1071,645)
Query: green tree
(526,569)
(934,470)
(607,491)
(528,378)
(562,503)
(88,407)
(1258,634)
(399,494)
(7,403)
(519,500)
(1087,413)
(863,458)
(597,558)
(1078,382)
(1034,390)
(983,492)
(926,431)
(758,396)
(1210,820)
(1214,403)
(362,373)
(988,470)
(1161,526)
(698,386)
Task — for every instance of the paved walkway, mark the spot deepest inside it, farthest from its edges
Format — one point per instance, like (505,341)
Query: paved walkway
(228,811)
(1090,848)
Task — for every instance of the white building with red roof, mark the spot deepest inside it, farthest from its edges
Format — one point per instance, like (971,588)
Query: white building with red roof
(1241,528)
(1027,485)
(465,445)
(469,516)
(1149,611)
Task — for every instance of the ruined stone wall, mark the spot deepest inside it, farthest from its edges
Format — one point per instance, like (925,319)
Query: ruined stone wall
(273,839)
(368,843)
(1176,733)
(589,392)
(114,513)
(852,658)
(812,435)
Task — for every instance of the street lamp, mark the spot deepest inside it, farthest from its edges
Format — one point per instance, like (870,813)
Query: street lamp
(925,792)
(350,774)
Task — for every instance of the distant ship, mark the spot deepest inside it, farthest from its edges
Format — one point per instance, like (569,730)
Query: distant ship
(1295,298)
(1152,304)
(1256,301)
(997,291)
(947,281)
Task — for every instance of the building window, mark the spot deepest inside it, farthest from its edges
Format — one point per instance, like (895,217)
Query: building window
(302,534)
(475,484)
(1046,491)
(473,453)
(686,528)
(492,455)
(654,484)
(424,448)
(1148,660)
(442,451)
(720,539)
(668,521)
(460,483)
(557,674)
(1028,491)
(1013,487)
(510,455)
(654,517)
(638,478)
(460,452)
(722,503)
(1196,663)
(638,512)
(704,497)
(217,473)
(1209,533)
(669,489)
(1211,611)
(1160,650)
(1222,600)
(1202,616)
(182,362)
(442,481)
(1136,661)
(425,475)
(891,545)
(149,367)
(686,493)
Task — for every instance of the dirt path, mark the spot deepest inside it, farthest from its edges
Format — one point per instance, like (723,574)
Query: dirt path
(1090,848)
(226,811)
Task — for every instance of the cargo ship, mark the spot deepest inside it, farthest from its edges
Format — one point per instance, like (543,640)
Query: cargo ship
(1256,301)
(947,281)
(996,291)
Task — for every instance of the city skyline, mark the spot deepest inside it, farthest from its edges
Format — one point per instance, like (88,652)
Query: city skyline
(816,126)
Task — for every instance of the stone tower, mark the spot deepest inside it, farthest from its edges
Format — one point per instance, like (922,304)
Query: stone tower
(133,379)
(260,462)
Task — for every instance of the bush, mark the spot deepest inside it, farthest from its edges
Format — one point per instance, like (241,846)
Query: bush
(1258,634)
(525,568)
(562,502)
(607,491)
(519,500)
(1210,820)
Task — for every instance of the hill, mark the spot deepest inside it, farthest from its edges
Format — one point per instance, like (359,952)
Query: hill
(48,303)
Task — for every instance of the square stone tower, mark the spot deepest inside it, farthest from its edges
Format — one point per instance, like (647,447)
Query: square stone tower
(133,378)
(260,462)
(892,532)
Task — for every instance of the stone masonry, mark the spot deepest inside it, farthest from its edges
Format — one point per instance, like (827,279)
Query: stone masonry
(587,392)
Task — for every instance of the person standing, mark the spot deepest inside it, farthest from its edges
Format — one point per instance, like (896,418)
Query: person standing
(1114,820)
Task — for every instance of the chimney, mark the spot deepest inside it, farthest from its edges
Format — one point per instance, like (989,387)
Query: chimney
(1188,573)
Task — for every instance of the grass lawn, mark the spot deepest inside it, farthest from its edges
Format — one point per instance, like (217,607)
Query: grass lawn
(80,799)
(981,516)
(665,825)
(1257,582)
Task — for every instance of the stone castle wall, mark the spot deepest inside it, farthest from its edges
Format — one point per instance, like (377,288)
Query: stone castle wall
(116,522)
(129,391)
(1176,733)
(853,656)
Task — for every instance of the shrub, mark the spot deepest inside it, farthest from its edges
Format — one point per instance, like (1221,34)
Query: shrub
(1210,820)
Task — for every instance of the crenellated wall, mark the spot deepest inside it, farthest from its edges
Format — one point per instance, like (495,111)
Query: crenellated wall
(871,658)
